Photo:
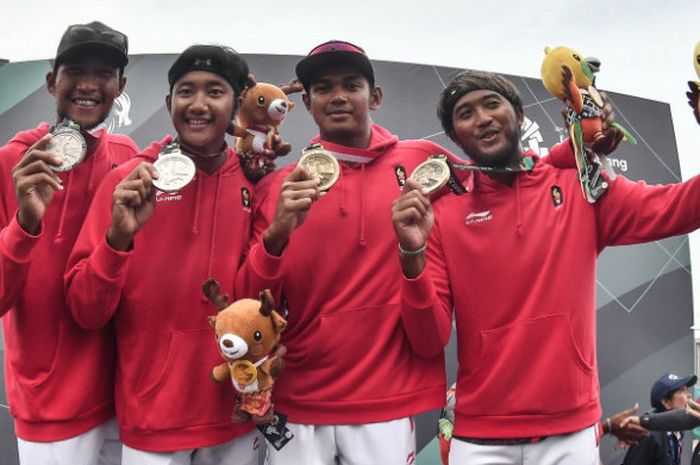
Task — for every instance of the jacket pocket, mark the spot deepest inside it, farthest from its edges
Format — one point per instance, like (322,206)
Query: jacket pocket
(40,379)
(529,367)
(356,353)
(182,393)
(85,358)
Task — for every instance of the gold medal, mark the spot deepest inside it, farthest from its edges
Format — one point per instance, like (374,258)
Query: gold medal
(432,174)
(244,372)
(595,96)
(320,163)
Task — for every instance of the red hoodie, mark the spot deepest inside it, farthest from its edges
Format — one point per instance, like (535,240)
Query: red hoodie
(165,397)
(519,269)
(349,360)
(59,377)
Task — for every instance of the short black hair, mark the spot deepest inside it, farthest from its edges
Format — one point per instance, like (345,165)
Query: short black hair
(468,81)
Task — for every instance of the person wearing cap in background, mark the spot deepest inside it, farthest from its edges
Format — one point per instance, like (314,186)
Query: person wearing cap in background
(150,240)
(669,392)
(521,310)
(352,383)
(59,377)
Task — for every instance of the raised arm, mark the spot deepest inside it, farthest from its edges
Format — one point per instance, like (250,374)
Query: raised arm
(277,212)
(97,267)
(426,305)
(635,212)
(35,183)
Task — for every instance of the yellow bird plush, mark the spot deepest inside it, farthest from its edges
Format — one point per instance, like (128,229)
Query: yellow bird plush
(570,77)
(694,93)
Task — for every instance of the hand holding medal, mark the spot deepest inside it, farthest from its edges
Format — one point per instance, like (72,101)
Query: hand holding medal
(133,203)
(35,183)
(300,189)
(412,214)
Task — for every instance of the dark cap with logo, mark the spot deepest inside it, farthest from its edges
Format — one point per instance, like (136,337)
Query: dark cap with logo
(333,53)
(217,59)
(666,385)
(94,37)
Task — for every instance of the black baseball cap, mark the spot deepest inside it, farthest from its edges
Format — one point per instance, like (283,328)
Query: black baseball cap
(217,59)
(666,385)
(94,36)
(333,52)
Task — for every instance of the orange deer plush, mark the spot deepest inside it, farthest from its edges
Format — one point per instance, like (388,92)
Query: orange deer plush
(263,108)
(248,333)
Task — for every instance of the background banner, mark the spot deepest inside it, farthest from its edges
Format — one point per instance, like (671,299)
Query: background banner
(644,306)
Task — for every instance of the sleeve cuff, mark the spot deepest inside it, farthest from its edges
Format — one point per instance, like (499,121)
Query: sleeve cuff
(266,265)
(18,243)
(420,291)
(108,262)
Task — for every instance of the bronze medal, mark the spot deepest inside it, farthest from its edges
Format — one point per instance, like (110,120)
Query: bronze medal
(69,145)
(432,174)
(321,164)
(244,372)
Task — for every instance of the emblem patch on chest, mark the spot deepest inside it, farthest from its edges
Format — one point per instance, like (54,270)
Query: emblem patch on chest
(245,198)
(557,196)
(400,173)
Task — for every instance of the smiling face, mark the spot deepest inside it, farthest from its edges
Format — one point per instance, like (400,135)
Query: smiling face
(85,89)
(201,105)
(340,101)
(487,127)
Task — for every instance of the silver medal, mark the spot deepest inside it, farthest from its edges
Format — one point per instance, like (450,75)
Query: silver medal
(175,171)
(69,145)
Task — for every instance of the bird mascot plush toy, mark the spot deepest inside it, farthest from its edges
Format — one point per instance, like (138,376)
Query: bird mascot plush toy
(694,94)
(570,77)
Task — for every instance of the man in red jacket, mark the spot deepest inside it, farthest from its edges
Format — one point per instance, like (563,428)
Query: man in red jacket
(352,384)
(517,262)
(59,377)
(150,239)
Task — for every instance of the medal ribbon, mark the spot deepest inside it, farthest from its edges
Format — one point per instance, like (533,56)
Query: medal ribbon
(189,151)
(346,157)
(172,147)
(97,131)
(526,164)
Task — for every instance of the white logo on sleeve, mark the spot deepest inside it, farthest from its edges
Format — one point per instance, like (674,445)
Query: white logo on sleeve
(478,217)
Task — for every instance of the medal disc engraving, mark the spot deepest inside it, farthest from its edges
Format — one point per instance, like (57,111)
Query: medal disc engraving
(175,171)
(432,174)
(69,145)
(321,164)
(244,372)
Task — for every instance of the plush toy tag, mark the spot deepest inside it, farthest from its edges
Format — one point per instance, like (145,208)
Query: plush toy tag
(276,432)
(597,185)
